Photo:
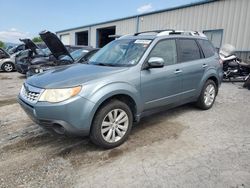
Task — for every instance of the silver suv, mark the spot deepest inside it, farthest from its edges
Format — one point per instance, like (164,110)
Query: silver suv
(121,82)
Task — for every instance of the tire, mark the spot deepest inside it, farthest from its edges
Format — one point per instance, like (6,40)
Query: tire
(206,101)
(8,67)
(106,134)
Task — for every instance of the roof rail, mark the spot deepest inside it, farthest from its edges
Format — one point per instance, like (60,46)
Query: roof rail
(190,33)
(172,32)
(154,31)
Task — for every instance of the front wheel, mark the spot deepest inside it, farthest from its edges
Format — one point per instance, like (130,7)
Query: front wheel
(112,124)
(8,67)
(208,95)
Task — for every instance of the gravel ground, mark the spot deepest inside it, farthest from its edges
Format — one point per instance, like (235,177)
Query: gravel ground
(183,147)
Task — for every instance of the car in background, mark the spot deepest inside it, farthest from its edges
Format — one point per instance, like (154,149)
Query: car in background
(17,48)
(61,54)
(7,61)
(32,51)
(78,56)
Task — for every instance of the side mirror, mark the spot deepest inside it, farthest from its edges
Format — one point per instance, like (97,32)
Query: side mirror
(155,62)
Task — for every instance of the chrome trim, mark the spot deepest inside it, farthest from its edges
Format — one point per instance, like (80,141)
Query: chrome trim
(30,93)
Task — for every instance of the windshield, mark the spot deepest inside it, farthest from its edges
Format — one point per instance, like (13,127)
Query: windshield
(77,54)
(46,51)
(11,50)
(123,52)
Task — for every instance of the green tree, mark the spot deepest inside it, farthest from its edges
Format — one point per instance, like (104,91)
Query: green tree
(37,39)
(2,45)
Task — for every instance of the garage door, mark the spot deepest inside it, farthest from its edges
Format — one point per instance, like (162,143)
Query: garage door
(65,39)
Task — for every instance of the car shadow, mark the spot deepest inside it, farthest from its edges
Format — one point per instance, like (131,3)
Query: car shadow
(155,128)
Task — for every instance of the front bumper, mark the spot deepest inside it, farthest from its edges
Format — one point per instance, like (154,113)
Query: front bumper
(21,68)
(73,116)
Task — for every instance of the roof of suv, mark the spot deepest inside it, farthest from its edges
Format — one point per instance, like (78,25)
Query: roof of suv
(165,33)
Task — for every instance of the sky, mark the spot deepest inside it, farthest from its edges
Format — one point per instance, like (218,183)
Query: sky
(26,18)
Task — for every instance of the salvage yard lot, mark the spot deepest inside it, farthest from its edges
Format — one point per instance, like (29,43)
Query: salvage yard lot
(183,147)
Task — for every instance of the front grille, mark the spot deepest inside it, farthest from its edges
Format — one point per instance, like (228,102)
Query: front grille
(30,93)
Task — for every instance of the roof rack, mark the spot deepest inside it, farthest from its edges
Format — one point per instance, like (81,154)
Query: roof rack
(172,32)
(154,31)
(189,33)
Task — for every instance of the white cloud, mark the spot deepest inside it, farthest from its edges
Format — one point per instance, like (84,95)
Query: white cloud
(145,8)
(13,35)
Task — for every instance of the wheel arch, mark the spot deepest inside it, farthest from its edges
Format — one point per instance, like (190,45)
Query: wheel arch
(212,75)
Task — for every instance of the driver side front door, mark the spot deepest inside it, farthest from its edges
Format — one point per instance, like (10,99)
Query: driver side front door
(162,86)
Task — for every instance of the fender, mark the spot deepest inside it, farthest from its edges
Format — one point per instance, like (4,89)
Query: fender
(211,72)
(116,88)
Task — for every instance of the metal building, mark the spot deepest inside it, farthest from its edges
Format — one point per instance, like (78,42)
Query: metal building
(223,21)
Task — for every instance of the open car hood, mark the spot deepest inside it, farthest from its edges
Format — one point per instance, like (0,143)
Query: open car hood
(6,54)
(54,44)
(30,44)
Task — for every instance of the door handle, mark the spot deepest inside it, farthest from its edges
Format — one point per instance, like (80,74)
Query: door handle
(177,71)
(204,65)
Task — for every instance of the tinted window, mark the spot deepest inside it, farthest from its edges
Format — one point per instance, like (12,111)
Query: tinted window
(188,50)
(215,36)
(207,48)
(2,54)
(166,50)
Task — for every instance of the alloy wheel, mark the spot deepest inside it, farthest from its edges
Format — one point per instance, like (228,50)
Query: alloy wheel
(209,95)
(114,125)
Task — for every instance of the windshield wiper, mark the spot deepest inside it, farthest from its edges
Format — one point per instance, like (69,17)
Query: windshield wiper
(105,64)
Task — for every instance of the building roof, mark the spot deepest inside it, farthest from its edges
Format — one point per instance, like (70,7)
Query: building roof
(140,15)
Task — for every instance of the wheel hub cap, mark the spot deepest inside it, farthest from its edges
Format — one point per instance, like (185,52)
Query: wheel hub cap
(8,67)
(114,125)
(209,94)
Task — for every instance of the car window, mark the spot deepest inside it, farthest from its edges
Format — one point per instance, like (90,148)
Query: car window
(122,52)
(165,49)
(21,47)
(188,50)
(207,48)
(2,54)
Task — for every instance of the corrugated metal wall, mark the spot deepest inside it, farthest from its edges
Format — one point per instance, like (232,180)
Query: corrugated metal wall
(233,16)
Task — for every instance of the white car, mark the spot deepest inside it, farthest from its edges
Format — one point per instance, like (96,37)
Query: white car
(7,61)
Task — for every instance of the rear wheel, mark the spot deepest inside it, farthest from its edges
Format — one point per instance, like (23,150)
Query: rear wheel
(8,67)
(208,95)
(112,124)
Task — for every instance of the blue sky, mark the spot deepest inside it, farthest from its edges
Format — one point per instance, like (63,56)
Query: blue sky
(25,18)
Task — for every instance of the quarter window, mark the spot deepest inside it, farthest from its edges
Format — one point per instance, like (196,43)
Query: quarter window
(188,50)
(165,49)
(207,48)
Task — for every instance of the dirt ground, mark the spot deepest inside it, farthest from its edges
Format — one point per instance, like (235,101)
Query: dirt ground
(183,147)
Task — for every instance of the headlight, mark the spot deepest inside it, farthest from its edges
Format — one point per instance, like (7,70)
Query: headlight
(59,95)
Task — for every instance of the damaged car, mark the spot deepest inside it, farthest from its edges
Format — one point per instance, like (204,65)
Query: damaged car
(61,54)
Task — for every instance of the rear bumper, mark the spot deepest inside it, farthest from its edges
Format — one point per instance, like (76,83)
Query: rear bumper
(71,117)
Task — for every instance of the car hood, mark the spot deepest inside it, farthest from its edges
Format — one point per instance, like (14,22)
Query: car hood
(54,44)
(72,75)
(6,53)
(29,44)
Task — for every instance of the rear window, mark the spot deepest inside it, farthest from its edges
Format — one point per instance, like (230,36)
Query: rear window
(207,48)
(188,50)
